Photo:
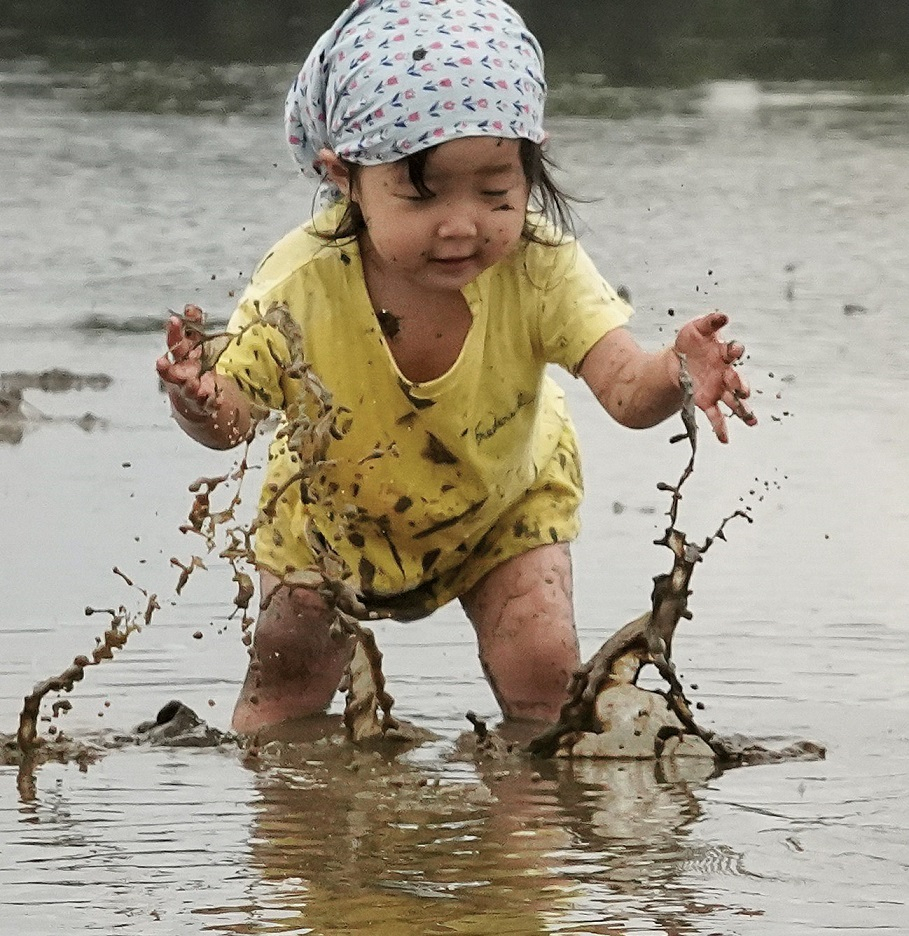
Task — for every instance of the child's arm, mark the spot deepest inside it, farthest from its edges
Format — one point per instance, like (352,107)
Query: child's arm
(208,407)
(639,389)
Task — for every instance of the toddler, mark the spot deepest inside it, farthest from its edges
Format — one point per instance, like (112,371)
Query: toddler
(431,292)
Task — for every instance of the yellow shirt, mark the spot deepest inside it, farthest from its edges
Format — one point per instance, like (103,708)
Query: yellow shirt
(460,449)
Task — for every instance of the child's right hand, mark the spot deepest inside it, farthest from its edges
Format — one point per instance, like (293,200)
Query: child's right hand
(192,390)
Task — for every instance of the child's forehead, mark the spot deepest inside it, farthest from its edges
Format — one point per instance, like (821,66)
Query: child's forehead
(479,155)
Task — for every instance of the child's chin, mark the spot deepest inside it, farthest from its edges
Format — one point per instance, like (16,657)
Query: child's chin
(456,273)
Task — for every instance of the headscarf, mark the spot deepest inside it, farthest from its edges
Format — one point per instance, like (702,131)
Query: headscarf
(393,77)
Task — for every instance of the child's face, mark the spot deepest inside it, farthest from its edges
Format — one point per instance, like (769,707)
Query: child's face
(472,220)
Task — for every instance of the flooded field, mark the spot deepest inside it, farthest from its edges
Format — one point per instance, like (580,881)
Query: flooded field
(785,207)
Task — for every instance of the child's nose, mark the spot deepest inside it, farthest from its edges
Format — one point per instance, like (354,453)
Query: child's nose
(458,221)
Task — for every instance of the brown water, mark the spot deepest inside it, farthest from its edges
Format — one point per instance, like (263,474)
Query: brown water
(800,621)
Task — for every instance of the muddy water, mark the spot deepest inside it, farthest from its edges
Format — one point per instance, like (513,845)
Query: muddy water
(789,210)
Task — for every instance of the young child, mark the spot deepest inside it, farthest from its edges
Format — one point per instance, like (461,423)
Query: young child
(431,299)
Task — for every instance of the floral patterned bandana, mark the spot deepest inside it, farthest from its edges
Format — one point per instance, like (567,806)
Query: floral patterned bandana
(393,77)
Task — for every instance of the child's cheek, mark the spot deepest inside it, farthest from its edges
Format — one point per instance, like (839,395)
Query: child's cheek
(503,233)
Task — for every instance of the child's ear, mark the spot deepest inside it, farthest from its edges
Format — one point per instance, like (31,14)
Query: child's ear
(335,170)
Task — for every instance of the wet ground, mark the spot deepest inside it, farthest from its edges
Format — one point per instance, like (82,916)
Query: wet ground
(788,210)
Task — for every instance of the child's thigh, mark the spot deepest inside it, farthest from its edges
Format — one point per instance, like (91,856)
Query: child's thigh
(524,608)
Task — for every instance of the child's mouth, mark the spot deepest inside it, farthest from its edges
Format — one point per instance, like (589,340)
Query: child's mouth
(453,261)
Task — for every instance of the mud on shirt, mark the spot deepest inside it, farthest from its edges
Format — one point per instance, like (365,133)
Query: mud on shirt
(455,453)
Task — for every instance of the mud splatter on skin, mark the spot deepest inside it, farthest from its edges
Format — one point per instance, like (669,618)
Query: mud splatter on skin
(389,323)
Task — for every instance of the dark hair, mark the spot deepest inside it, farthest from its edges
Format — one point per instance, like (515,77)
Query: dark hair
(545,196)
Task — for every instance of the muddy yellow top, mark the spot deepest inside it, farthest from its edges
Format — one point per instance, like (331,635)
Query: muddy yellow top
(425,469)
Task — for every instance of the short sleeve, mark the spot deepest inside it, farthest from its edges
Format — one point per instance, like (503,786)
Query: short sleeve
(256,356)
(577,305)
(291,274)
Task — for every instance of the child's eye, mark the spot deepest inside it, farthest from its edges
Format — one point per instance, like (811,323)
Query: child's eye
(497,193)
(417,199)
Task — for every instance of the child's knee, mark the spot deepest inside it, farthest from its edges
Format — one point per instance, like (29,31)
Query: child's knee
(308,605)
(284,603)
(293,628)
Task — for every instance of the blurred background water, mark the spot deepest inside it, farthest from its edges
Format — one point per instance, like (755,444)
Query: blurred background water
(784,204)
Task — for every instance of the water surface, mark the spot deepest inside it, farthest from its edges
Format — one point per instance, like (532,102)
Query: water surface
(786,207)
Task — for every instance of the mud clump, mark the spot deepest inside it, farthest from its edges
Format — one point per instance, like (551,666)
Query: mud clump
(177,725)
(58,749)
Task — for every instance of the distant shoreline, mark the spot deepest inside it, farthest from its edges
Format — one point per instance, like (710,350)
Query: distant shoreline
(663,43)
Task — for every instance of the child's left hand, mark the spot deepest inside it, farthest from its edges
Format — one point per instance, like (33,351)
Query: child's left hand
(710,363)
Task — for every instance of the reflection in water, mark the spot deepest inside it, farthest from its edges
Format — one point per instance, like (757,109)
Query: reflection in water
(349,841)
(12,418)
(17,414)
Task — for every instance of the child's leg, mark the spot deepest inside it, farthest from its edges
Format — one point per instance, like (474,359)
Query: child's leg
(523,615)
(296,667)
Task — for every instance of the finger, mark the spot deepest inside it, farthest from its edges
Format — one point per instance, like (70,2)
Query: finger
(181,376)
(709,325)
(717,422)
(733,351)
(176,388)
(163,366)
(186,402)
(173,331)
(193,322)
(738,408)
(194,389)
(202,390)
(183,342)
(740,391)
(733,382)
(181,339)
